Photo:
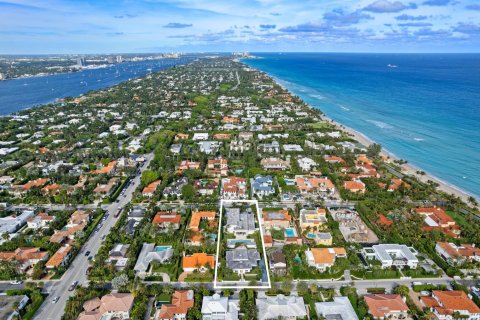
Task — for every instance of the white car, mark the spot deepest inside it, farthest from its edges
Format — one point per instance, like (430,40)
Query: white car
(54,300)
(16,282)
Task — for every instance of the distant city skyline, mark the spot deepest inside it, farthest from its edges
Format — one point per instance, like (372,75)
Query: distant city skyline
(75,26)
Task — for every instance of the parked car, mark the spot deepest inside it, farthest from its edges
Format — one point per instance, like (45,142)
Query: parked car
(16,282)
(87,253)
(73,286)
(55,300)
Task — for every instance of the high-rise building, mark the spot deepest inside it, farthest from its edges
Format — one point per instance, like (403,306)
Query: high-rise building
(111,59)
(81,62)
(119,59)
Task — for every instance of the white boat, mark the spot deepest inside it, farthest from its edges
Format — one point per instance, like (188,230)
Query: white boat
(392,65)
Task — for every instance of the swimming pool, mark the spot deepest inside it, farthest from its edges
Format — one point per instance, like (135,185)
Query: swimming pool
(162,248)
(290,233)
(311,235)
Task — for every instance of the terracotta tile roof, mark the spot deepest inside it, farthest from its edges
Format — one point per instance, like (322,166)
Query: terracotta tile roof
(58,257)
(308,183)
(34,183)
(280,215)
(464,250)
(436,214)
(327,255)
(381,305)
(455,300)
(166,217)
(198,216)
(384,221)
(181,302)
(152,187)
(23,254)
(200,259)
(354,185)
(108,168)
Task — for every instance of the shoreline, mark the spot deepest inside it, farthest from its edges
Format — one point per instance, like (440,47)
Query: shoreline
(407,169)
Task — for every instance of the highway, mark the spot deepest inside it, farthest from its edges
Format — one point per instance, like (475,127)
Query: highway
(76,271)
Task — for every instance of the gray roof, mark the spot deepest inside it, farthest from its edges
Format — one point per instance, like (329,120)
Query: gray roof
(240,220)
(338,309)
(280,306)
(383,251)
(242,258)
(148,254)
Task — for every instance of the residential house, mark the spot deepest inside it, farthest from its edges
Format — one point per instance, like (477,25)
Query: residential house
(241,260)
(150,253)
(262,186)
(182,301)
(118,256)
(198,216)
(277,219)
(149,190)
(241,223)
(355,186)
(76,223)
(109,307)
(438,219)
(306,164)
(444,304)
(176,148)
(312,218)
(106,189)
(273,147)
(292,148)
(25,257)
(10,224)
(278,263)
(398,255)
(175,189)
(60,258)
(110,168)
(240,146)
(387,306)
(458,254)
(167,220)
(217,167)
(188,165)
(198,261)
(340,308)
(234,188)
(40,221)
(281,307)
(205,187)
(219,308)
(199,136)
(275,164)
(312,184)
(209,147)
(323,258)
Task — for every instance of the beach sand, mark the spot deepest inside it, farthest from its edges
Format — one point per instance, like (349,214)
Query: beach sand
(407,169)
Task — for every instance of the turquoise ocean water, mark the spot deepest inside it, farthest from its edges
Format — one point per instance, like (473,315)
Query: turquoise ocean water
(424,109)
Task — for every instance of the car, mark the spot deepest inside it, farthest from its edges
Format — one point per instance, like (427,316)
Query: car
(90,258)
(103,237)
(16,282)
(87,253)
(73,286)
(55,300)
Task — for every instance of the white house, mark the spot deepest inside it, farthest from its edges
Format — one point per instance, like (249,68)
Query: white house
(219,308)
(389,255)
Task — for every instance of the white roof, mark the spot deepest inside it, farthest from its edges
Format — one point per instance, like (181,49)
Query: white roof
(339,309)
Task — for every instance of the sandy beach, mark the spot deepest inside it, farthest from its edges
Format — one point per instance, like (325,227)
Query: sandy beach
(407,169)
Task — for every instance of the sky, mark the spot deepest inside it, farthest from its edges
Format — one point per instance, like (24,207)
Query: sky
(130,26)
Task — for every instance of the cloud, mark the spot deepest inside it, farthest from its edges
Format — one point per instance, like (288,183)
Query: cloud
(177,25)
(305,28)
(415,24)
(340,18)
(125,16)
(473,7)
(275,14)
(429,32)
(467,28)
(437,2)
(268,26)
(406,17)
(385,6)
(115,33)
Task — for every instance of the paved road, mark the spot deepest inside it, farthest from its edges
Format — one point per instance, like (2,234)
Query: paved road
(51,311)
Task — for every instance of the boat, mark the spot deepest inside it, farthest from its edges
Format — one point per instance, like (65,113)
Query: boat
(392,65)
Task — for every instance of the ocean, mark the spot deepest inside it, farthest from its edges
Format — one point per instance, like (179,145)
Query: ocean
(423,108)
(19,94)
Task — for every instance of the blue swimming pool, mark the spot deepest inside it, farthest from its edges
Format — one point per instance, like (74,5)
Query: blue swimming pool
(311,235)
(162,248)
(290,233)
